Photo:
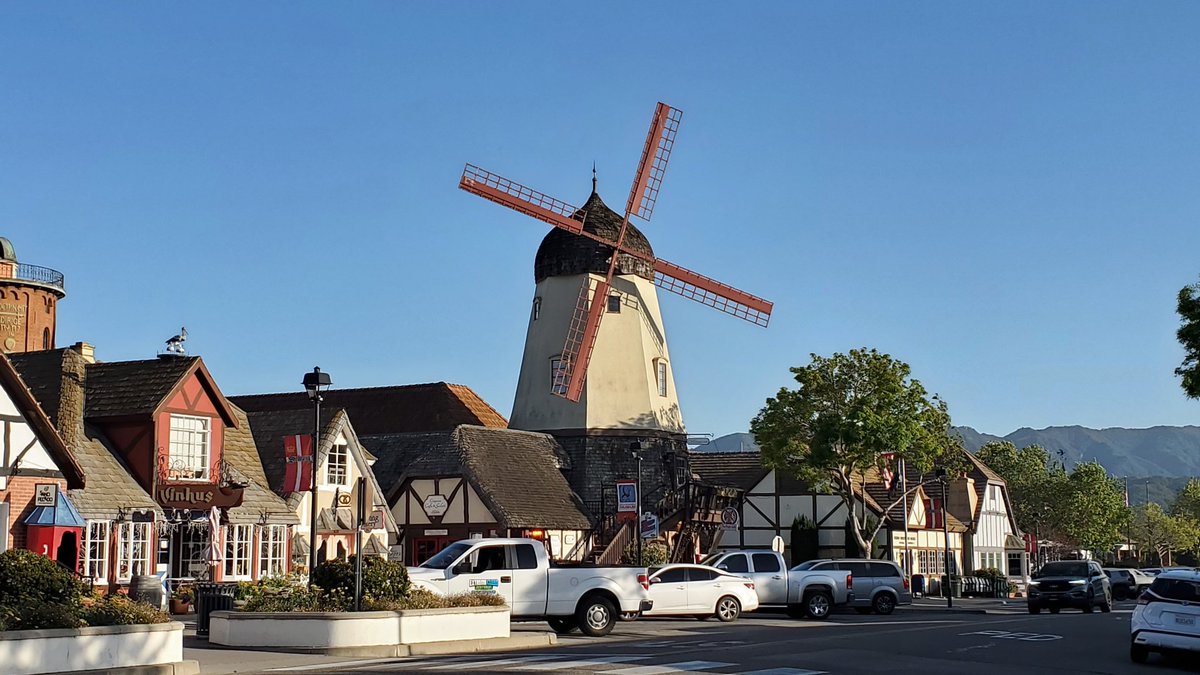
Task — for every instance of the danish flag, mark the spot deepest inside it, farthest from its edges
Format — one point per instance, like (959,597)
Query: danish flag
(297,453)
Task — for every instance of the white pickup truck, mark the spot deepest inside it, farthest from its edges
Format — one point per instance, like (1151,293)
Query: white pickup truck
(518,570)
(805,592)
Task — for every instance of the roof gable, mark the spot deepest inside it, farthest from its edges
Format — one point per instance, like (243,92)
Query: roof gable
(142,388)
(41,425)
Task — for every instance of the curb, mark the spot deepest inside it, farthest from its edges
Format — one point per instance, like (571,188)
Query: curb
(525,640)
(189,667)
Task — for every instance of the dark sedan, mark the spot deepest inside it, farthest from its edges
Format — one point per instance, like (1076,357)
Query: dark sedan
(1070,583)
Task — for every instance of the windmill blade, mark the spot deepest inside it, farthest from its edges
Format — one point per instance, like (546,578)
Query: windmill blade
(505,192)
(653,165)
(581,339)
(710,292)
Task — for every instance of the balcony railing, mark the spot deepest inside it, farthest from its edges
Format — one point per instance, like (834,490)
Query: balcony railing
(40,275)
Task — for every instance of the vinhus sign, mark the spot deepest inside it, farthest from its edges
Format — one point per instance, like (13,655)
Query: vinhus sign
(198,496)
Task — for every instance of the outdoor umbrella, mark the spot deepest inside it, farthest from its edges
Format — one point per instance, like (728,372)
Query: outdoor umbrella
(215,554)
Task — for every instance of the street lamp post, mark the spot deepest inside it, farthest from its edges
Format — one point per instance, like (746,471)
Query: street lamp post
(315,383)
(941,474)
(636,447)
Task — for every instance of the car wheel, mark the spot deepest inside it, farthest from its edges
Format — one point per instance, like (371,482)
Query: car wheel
(1055,610)
(1119,593)
(883,603)
(1138,653)
(563,624)
(728,609)
(818,604)
(1106,606)
(596,616)
(1091,603)
(1033,609)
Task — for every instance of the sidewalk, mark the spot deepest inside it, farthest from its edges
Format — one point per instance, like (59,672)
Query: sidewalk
(968,605)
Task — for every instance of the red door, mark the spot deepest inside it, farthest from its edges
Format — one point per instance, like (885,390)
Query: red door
(425,548)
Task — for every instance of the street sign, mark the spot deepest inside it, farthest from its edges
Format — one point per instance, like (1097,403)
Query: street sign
(375,520)
(730,519)
(627,496)
(45,494)
(396,553)
(435,505)
(649,526)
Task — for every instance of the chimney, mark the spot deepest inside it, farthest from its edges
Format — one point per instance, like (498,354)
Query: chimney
(87,351)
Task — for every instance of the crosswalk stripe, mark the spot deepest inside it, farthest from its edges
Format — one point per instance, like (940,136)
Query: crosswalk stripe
(681,667)
(475,664)
(584,663)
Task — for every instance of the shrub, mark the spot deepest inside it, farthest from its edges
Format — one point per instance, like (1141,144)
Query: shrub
(382,579)
(298,599)
(118,610)
(654,554)
(42,615)
(988,573)
(420,598)
(28,578)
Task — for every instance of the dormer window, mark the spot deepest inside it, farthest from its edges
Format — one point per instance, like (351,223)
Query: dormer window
(188,452)
(336,467)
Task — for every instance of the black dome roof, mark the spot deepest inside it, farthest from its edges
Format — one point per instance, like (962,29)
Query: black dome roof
(566,254)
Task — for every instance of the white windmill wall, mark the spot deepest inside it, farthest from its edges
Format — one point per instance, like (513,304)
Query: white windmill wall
(621,390)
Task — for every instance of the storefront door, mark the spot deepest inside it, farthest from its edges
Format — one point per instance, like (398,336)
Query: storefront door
(425,548)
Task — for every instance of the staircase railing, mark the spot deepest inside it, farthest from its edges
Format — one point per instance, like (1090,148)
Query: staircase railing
(611,554)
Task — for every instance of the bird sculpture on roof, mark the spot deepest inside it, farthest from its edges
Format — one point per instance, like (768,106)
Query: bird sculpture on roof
(175,343)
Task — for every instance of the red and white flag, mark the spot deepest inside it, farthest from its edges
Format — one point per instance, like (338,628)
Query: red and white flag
(297,453)
(886,471)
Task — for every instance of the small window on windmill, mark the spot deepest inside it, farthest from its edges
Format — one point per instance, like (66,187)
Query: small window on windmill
(614,304)
(558,376)
(660,368)
(537,308)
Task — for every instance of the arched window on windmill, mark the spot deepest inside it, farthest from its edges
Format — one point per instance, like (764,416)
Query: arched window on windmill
(660,375)
(537,308)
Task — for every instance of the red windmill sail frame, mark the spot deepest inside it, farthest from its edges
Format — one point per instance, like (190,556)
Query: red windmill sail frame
(584,327)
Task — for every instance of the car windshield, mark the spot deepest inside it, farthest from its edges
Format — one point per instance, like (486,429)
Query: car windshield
(447,556)
(1176,589)
(1063,568)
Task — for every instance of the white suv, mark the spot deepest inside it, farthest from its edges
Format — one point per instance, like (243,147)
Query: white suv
(1167,616)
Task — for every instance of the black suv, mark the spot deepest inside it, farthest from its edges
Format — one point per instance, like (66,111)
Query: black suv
(1070,583)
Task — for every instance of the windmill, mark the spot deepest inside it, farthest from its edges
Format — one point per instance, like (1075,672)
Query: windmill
(568,378)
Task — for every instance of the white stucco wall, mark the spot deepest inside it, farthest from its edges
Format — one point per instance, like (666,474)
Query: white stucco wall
(621,391)
(326,630)
(71,650)
(17,437)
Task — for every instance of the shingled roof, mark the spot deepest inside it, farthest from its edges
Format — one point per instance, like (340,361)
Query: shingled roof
(391,410)
(741,470)
(111,491)
(138,388)
(260,505)
(565,254)
(42,373)
(270,427)
(515,472)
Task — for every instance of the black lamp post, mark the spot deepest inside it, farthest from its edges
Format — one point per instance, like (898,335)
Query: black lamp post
(315,383)
(941,475)
(636,447)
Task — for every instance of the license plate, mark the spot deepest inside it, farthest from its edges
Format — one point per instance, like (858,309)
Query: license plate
(1185,620)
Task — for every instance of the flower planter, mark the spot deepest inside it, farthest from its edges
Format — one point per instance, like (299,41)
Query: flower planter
(377,632)
(180,606)
(26,652)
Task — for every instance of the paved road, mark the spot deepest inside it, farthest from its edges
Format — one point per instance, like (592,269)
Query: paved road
(919,642)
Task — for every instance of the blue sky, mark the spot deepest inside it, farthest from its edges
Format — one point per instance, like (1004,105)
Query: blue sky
(1003,196)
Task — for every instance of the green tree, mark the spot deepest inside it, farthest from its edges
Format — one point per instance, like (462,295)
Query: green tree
(849,410)
(1187,502)
(1094,515)
(1165,534)
(1189,336)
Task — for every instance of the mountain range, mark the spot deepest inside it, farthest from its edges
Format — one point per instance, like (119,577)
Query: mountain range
(1137,453)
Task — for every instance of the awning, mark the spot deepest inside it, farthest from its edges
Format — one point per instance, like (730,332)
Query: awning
(62,514)
(1012,541)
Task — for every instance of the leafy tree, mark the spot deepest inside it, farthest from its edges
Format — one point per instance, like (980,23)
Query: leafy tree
(1187,502)
(1094,514)
(1165,534)
(849,410)
(1189,336)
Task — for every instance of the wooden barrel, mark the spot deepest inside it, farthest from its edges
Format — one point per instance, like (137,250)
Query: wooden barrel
(147,589)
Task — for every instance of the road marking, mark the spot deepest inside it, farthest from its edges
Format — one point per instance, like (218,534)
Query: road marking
(576,664)
(786,671)
(1007,635)
(681,667)
(464,664)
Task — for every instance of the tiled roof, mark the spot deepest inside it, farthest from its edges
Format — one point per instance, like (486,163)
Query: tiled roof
(515,472)
(126,388)
(335,520)
(741,470)
(111,490)
(391,410)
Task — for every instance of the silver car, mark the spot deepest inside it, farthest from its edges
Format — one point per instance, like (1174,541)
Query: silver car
(879,585)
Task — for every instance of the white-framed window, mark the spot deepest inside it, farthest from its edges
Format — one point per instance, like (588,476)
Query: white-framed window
(133,550)
(188,453)
(272,550)
(238,544)
(537,308)
(660,373)
(337,465)
(558,378)
(95,551)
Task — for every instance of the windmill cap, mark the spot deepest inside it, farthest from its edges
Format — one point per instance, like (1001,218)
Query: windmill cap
(564,254)
(7,252)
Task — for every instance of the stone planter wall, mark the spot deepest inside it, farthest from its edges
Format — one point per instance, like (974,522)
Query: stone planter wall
(317,631)
(26,652)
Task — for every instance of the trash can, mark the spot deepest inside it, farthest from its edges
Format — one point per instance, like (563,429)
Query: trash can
(211,598)
(954,587)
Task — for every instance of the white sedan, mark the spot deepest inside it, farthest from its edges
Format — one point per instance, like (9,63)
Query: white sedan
(700,591)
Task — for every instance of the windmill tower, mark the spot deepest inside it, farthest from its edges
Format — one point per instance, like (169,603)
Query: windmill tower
(596,371)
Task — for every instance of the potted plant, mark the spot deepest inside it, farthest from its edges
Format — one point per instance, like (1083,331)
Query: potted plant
(181,600)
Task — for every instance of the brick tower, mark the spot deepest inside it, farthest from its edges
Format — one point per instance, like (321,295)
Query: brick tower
(29,296)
